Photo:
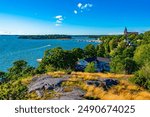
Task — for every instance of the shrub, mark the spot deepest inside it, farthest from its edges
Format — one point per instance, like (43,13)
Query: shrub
(13,90)
(19,69)
(142,77)
(90,68)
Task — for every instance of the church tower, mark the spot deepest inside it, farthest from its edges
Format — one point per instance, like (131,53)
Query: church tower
(126,31)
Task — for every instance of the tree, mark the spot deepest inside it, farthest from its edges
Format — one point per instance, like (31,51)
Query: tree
(142,54)
(20,68)
(59,59)
(113,44)
(132,36)
(2,74)
(129,52)
(119,50)
(116,65)
(90,68)
(146,37)
(142,77)
(90,51)
(78,52)
(54,57)
(119,64)
(100,50)
(130,65)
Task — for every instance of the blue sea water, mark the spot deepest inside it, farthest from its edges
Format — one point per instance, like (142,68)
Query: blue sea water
(13,49)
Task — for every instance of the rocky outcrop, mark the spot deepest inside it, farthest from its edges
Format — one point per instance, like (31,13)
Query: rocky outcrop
(45,82)
(105,83)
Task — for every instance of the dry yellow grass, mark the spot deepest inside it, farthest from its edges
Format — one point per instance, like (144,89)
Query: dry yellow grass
(100,75)
(124,91)
(56,74)
(121,92)
(26,81)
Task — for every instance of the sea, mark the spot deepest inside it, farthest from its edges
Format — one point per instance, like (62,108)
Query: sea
(12,48)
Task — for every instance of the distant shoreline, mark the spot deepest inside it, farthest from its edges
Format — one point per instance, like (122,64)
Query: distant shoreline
(63,37)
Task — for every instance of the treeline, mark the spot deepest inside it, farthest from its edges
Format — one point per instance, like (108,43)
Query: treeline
(129,55)
(44,37)
(60,59)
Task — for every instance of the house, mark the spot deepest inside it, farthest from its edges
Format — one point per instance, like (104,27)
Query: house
(82,63)
(101,64)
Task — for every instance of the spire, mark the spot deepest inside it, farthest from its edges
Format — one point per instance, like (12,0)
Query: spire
(126,31)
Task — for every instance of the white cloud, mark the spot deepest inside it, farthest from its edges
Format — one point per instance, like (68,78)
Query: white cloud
(58,16)
(79,5)
(59,20)
(86,6)
(57,24)
(83,7)
(75,12)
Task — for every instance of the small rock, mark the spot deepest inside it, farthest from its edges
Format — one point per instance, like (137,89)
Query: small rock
(76,94)
(39,93)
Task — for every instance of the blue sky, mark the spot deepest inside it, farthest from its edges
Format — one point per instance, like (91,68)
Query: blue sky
(73,16)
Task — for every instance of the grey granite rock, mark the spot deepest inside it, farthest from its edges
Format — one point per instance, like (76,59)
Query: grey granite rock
(76,94)
(45,82)
(105,83)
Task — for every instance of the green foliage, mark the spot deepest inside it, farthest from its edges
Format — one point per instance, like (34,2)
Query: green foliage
(59,59)
(129,52)
(90,68)
(78,52)
(142,54)
(142,77)
(132,36)
(19,69)
(2,74)
(113,44)
(90,51)
(121,65)
(13,90)
(100,50)
(146,37)
(41,69)
(129,65)
(116,65)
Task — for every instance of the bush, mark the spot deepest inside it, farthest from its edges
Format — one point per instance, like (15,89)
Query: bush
(20,69)
(13,90)
(142,77)
(90,68)
(120,64)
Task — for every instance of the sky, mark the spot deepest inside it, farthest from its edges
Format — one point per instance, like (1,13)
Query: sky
(82,17)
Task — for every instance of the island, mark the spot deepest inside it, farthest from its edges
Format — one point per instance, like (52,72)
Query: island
(44,37)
